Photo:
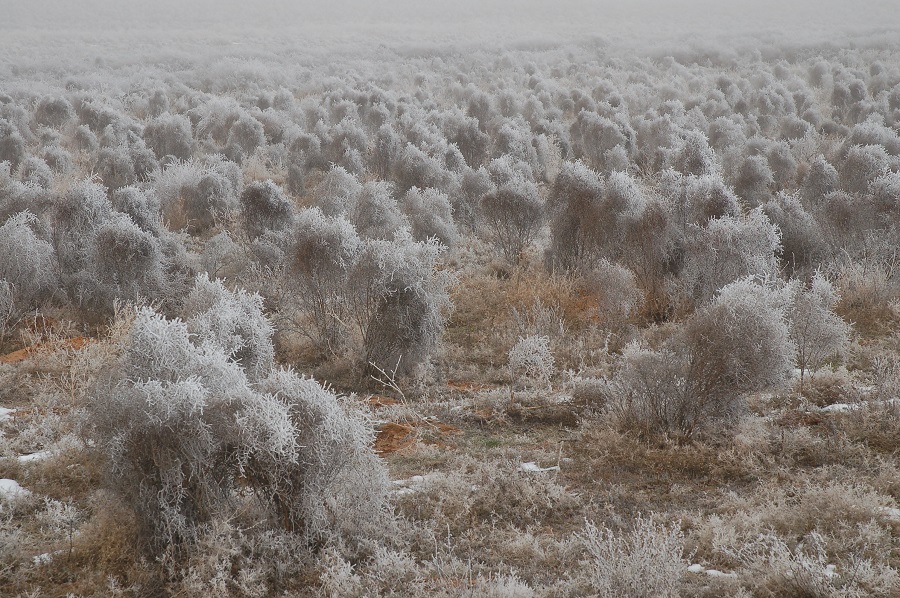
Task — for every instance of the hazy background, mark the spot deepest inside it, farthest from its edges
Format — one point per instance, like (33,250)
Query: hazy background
(418,20)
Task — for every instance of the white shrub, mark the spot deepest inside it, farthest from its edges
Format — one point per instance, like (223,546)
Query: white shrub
(531,357)
(646,562)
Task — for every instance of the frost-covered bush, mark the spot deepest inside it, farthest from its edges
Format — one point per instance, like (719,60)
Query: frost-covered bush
(818,333)
(400,302)
(53,112)
(375,213)
(141,205)
(693,156)
(264,207)
(647,561)
(617,292)
(885,193)
(754,180)
(726,249)
(170,135)
(575,205)
(77,217)
(12,145)
(697,200)
(127,260)
(336,192)
(862,165)
(802,246)
(430,215)
(739,343)
(115,167)
(514,217)
(594,137)
(35,171)
(234,321)
(193,195)
(58,159)
(27,271)
(191,440)
(244,137)
(531,357)
(821,179)
(321,253)
(85,140)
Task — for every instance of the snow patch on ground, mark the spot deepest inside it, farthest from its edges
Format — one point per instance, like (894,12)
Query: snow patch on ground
(848,407)
(890,512)
(6,414)
(11,490)
(532,467)
(699,569)
(38,456)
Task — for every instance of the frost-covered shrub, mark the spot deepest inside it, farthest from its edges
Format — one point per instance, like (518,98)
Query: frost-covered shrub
(58,159)
(170,135)
(862,165)
(697,200)
(617,292)
(337,191)
(12,145)
(739,343)
(802,246)
(193,195)
(53,112)
(375,213)
(127,259)
(85,139)
(531,357)
(693,156)
(77,217)
(513,217)
(234,321)
(593,136)
(244,137)
(885,193)
(821,179)
(818,333)
(725,250)
(400,302)
(754,180)
(115,167)
(647,561)
(190,441)
(321,253)
(575,206)
(34,171)
(430,214)
(26,267)
(264,207)
(141,205)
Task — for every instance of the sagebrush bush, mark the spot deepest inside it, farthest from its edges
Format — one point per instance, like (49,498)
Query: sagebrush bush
(737,344)
(264,207)
(170,135)
(430,215)
(646,561)
(724,250)
(26,265)
(818,333)
(531,357)
(193,195)
(513,217)
(185,430)
(128,260)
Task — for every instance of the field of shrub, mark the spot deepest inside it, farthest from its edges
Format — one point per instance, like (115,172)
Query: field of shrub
(562,318)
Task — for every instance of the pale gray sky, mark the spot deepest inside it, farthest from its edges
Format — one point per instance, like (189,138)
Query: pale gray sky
(454,17)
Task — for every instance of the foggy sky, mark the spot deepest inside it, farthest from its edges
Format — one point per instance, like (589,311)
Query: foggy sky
(449,18)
